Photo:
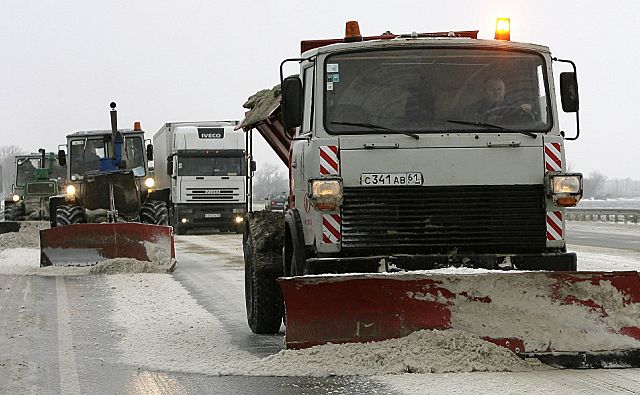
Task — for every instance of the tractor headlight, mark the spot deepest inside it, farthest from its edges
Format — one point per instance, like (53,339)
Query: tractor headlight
(239,219)
(326,195)
(565,189)
(16,198)
(149,182)
(71,190)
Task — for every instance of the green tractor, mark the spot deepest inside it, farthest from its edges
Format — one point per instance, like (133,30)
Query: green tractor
(38,177)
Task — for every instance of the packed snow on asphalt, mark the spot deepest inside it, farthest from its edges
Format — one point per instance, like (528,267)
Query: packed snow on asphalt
(168,330)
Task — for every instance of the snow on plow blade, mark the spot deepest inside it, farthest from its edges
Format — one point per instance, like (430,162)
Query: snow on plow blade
(89,244)
(570,319)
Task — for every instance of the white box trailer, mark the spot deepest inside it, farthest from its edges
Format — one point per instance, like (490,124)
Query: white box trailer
(200,170)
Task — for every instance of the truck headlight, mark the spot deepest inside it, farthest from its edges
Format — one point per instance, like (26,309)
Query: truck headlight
(16,198)
(565,189)
(71,190)
(326,195)
(149,182)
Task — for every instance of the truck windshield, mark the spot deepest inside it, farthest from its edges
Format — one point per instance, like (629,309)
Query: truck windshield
(86,153)
(434,90)
(134,155)
(211,166)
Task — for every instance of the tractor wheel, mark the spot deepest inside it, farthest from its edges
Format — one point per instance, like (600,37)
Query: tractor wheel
(262,294)
(14,212)
(154,212)
(68,214)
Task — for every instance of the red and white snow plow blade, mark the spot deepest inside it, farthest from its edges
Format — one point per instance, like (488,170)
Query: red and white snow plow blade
(571,319)
(89,244)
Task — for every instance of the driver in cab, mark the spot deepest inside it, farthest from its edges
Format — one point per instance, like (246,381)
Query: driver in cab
(493,107)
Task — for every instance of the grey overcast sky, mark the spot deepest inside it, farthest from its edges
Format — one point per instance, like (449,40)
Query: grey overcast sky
(64,61)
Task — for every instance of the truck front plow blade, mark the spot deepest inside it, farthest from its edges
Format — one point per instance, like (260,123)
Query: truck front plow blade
(571,319)
(89,244)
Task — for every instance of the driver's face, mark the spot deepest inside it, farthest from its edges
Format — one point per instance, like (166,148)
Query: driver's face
(494,91)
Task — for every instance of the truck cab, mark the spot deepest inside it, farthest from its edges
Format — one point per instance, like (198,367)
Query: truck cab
(420,151)
(201,172)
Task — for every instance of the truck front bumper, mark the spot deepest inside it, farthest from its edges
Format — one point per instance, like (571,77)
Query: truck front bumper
(200,216)
(556,261)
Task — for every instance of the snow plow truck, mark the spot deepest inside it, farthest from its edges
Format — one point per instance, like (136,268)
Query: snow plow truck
(108,210)
(428,186)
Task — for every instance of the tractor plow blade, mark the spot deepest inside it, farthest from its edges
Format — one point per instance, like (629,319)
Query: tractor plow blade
(571,319)
(9,226)
(89,244)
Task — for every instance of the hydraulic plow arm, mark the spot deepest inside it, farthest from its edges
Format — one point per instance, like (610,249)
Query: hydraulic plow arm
(575,319)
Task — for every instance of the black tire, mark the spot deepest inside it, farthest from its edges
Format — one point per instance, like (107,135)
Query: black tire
(154,212)
(68,215)
(14,212)
(262,294)
(178,228)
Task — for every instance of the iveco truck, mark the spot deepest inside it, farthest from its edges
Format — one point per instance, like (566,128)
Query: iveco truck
(200,170)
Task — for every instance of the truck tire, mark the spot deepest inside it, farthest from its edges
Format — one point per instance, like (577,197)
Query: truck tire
(263,297)
(154,212)
(68,215)
(178,228)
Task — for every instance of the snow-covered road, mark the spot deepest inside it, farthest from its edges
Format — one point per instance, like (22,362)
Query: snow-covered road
(186,333)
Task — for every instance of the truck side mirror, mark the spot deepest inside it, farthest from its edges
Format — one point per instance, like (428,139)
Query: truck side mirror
(252,166)
(149,152)
(292,102)
(169,165)
(569,92)
(62,158)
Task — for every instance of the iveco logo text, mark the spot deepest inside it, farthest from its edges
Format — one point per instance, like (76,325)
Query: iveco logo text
(211,133)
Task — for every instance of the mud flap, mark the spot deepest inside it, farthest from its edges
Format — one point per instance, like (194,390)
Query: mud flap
(572,319)
(89,244)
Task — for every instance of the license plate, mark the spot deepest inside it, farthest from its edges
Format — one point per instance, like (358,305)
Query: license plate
(212,215)
(383,179)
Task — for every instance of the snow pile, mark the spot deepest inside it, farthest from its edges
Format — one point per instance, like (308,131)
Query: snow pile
(166,329)
(27,237)
(26,261)
(19,260)
(126,265)
(420,352)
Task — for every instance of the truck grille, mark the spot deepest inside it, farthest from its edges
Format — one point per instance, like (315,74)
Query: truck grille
(213,194)
(435,220)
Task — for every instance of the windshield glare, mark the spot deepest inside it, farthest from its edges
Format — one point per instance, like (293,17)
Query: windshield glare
(211,166)
(426,89)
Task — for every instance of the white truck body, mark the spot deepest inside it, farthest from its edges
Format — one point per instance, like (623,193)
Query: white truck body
(200,168)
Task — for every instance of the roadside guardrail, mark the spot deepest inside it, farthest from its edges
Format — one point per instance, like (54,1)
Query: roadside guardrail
(603,214)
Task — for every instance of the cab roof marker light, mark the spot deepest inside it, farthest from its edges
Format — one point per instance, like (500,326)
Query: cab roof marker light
(352,32)
(503,29)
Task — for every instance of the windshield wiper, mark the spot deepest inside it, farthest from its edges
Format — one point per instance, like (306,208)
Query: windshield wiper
(491,126)
(373,126)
